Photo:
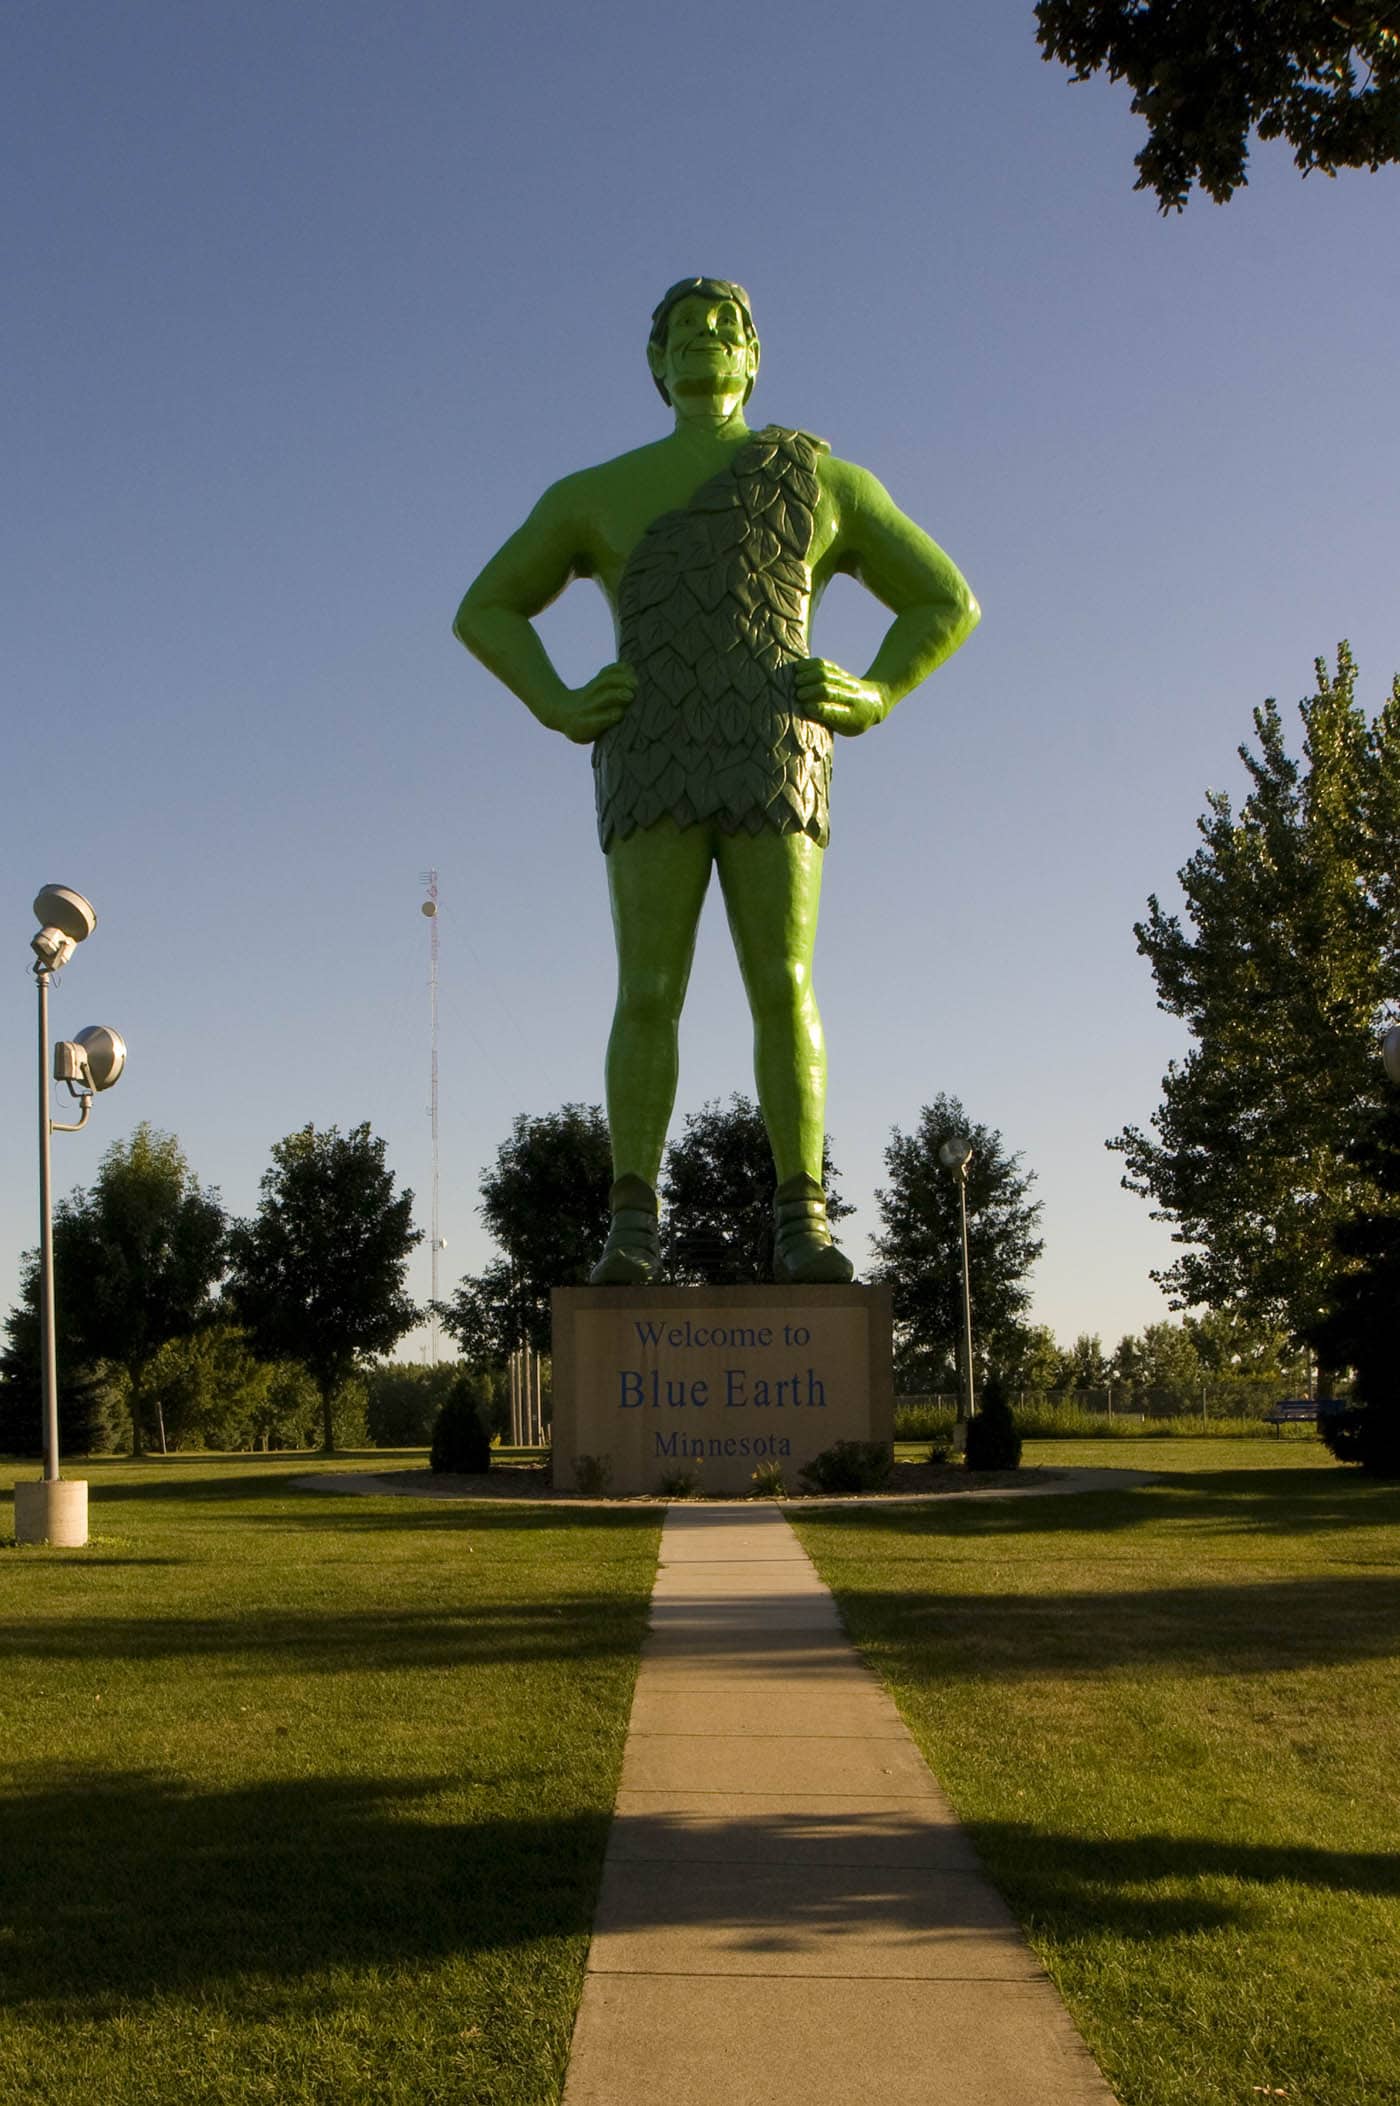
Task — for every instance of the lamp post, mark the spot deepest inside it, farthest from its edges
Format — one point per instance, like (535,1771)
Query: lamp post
(955,1155)
(55,1511)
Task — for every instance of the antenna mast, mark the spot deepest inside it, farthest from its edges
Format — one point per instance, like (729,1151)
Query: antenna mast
(430,908)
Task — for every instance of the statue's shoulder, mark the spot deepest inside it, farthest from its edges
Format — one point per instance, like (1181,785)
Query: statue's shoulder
(852,487)
(621,470)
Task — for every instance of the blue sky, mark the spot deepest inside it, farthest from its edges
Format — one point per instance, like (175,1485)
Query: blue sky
(306,305)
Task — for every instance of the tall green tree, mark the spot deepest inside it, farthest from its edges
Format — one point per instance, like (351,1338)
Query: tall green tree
(1028,1358)
(1322,74)
(403,1399)
(1285,962)
(545,1201)
(136,1262)
(919,1247)
(1085,1365)
(1360,1328)
(318,1274)
(1160,1369)
(717,1194)
(206,1390)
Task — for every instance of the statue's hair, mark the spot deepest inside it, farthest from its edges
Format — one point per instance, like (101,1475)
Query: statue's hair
(711,289)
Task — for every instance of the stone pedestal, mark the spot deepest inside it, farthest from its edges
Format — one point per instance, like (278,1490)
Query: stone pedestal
(54,1513)
(716,1380)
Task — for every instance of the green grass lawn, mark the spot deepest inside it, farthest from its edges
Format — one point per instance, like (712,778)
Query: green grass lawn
(304,1798)
(1170,1717)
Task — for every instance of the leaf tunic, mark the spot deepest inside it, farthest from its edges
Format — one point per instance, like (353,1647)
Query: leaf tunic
(713,609)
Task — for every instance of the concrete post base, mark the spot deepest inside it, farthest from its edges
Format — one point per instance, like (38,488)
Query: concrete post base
(52,1513)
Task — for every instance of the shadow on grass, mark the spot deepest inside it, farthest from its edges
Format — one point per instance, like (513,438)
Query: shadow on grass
(1254,1628)
(1133,1887)
(125,1886)
(379,1640)
(1238,1502)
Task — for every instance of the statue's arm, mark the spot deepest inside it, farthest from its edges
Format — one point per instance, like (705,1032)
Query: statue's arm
(495,619)
(933,607)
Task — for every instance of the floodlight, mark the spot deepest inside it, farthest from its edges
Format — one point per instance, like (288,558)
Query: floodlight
(66,910)
(66,919)
(1390,1052)
(95,1058)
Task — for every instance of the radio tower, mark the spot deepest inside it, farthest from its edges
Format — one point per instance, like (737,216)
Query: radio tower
(430,908)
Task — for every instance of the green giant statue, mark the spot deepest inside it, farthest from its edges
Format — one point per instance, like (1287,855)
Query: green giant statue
(712,731)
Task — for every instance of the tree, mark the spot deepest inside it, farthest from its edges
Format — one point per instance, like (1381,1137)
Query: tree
(1323,74)
(545,1200)
(717,1224)
(136,1262)
(1360,1329)
(1286,964)
(318,1274)
(919,1248)
(1028,1358)
(404,1400)
(1085,1365)
(1161,1369)
(93,1418)
(205,1390)
(209,1390)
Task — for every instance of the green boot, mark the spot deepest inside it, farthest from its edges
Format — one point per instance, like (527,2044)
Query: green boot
(803,1252)
(632,1253)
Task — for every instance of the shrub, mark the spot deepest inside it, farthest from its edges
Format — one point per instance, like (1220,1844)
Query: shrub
(680,1484)
(461,1443)
(767,1481)
(992,1440)
(849,1466)
(593,1473)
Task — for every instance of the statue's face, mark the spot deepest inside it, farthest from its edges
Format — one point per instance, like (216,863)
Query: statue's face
(708,350)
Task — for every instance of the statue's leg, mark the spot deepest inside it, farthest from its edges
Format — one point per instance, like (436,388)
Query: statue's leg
(772,891)
(657,878)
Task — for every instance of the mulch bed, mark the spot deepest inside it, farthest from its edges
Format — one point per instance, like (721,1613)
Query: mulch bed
(531,1481)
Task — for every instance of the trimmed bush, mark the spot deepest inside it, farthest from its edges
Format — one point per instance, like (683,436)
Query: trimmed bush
(461,1444)
(992,1440)
(849,1466)
(1365,1434)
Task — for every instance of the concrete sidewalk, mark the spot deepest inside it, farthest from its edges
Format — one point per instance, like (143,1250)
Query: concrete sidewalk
(789,1911)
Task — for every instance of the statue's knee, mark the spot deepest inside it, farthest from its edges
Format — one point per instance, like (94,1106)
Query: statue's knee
(649,1001)
(783,988)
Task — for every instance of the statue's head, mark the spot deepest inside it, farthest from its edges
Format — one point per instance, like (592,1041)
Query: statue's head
(702,310)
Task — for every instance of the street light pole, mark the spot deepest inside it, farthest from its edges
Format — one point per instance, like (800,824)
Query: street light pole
(969,1402)
(955,1155)
(48,1370)
(52,1511)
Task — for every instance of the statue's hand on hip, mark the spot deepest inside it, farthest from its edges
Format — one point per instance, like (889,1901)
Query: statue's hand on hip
(829,695)
(585,713)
